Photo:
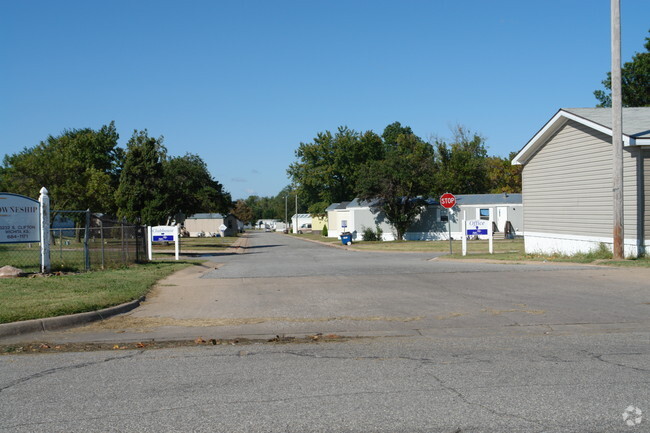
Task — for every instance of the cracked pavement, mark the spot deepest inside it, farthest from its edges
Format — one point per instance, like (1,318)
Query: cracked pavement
(448,347)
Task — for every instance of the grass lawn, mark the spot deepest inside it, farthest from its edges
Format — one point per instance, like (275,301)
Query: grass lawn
(504,249)
(193,245)
(35,298)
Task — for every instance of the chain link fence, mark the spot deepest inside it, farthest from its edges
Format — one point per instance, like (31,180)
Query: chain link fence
(81,241)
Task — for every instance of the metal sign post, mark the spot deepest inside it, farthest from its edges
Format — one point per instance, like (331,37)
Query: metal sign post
(448,201)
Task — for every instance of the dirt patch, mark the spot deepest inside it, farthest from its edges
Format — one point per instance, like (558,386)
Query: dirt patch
(512,310)
(144,324)
(43,347)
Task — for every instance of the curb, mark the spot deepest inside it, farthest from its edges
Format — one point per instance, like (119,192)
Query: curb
(53,323)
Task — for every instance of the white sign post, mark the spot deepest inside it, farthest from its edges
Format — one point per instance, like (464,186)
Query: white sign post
(44,200)
(164,234)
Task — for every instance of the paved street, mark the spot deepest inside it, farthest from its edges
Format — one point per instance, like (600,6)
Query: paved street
(446,347)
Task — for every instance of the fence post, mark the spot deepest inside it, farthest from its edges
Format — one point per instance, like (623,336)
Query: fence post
(101,238)
(87,239)
(44,200)
(122,241)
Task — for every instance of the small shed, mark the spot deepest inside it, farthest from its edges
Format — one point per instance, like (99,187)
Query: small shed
(209,224)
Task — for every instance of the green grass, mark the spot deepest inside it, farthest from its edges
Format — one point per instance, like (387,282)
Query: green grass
(35,298)
(504,250)
(194,244)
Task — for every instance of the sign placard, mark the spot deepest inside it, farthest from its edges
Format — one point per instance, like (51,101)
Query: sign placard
(478,227)
(163,234)
(19,219)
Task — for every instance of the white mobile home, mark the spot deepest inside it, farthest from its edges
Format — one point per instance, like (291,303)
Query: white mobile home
(567,182)
(432,223)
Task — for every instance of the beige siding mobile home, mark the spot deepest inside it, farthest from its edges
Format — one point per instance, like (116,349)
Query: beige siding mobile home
(567,182)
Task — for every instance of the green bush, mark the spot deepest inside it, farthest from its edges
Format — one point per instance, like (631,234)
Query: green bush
(324,232)
(371,235)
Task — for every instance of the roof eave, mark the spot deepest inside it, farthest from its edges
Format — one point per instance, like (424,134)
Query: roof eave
(557,121)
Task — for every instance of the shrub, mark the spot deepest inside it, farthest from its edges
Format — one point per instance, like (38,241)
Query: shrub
(371,235)
(324,232)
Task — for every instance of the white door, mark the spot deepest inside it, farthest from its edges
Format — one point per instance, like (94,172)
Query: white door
(502,217)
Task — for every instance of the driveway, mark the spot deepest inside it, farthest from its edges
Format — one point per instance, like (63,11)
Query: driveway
(281,285)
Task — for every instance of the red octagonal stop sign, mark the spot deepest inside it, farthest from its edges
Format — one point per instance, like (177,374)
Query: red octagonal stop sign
(447,200)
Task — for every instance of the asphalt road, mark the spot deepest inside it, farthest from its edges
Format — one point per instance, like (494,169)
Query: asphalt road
(447,347)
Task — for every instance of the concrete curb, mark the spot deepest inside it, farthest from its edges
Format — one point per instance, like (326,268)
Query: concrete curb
(53,323)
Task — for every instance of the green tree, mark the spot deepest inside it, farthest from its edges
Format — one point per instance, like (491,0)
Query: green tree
(461,165)
(140,194)
(393,131)
(188,188)
(80,169)
(243,212)
(635,82)
(327,169)
(502,176)
(398,183)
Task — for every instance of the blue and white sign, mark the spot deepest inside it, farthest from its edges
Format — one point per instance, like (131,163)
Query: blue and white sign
(163,234)
(19,219)
(478,227)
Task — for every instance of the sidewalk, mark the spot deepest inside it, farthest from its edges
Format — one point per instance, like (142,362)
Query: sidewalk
(49,324)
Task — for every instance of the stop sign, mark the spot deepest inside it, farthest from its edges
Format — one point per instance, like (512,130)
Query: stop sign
(447,200)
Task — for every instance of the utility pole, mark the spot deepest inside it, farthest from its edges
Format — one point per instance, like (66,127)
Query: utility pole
(617,133)
(296,227)
(285,211)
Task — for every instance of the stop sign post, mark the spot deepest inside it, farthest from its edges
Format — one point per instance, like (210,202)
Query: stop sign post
(448,200)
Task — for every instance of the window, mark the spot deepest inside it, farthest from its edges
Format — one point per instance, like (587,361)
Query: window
(444,215)
(485,214)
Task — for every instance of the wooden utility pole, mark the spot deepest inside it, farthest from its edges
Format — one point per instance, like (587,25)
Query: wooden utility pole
(617,132)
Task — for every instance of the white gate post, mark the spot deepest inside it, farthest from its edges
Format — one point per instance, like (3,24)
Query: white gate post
(44,200)
(149,246)
(177,240)
(463,230)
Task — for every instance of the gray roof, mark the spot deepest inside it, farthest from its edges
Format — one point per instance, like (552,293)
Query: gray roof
(636,120)
(461,199)
(357,202)
(205,216)
(636,127)
(478,199)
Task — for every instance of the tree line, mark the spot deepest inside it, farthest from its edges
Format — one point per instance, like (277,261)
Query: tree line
(86,169)
(398,169)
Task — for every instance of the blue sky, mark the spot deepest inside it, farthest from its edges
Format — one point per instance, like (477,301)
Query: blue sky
(243,83)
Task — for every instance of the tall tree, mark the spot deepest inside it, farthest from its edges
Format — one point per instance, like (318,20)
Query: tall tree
(460,165)
(398,183)
(243,212)
(635,82)
(326,170)
(140,196)
(502,176)
(188,188)
(80,169)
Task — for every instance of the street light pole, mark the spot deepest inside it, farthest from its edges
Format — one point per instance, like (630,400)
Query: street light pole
(296,228)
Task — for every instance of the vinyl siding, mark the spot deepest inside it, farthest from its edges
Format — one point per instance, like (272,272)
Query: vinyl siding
(567,185)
